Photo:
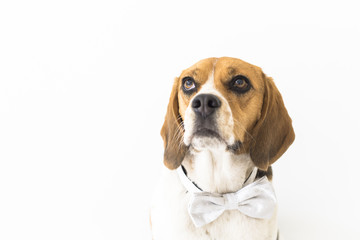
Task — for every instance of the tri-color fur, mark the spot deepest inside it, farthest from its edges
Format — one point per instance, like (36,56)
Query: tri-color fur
(249,128)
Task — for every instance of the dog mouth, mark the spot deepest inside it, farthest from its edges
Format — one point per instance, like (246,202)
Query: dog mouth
(234,147)
(208,133)
(205,132)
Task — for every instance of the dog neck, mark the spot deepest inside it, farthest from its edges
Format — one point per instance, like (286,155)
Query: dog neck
(215,169)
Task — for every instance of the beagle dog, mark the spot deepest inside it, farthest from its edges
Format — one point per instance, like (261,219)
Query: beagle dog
(225,121)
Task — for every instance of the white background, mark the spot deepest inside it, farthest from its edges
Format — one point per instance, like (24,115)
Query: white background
(84,87)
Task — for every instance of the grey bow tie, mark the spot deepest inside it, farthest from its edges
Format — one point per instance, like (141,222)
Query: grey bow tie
(257,200)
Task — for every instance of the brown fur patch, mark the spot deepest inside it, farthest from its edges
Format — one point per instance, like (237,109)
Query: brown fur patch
(172,132)
(261,121)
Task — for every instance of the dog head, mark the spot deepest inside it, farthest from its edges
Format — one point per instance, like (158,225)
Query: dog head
(230,102)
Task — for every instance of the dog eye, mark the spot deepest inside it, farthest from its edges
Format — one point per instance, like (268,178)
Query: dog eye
(188,84)
(240,84)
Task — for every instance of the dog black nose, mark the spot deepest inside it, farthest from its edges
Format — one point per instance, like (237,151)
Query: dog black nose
(205,104)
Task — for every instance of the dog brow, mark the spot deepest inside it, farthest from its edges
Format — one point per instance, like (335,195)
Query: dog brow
(194,72)
(231,71)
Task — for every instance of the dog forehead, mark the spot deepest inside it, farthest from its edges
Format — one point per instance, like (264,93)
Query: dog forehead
(220,70)
(200,70)
(227,67)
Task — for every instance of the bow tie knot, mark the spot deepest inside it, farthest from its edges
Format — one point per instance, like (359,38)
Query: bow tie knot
(230,201)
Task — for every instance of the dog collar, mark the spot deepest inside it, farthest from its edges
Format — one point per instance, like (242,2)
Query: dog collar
(193,187)
(255,199)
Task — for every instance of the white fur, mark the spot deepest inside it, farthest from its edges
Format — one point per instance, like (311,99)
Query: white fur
(223,115)
(214,169)
(169,215)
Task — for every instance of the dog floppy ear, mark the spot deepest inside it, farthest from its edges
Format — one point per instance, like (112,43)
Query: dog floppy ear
(273,133)
(172,132)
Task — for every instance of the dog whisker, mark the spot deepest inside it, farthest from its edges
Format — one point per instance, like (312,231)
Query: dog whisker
(243,128)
